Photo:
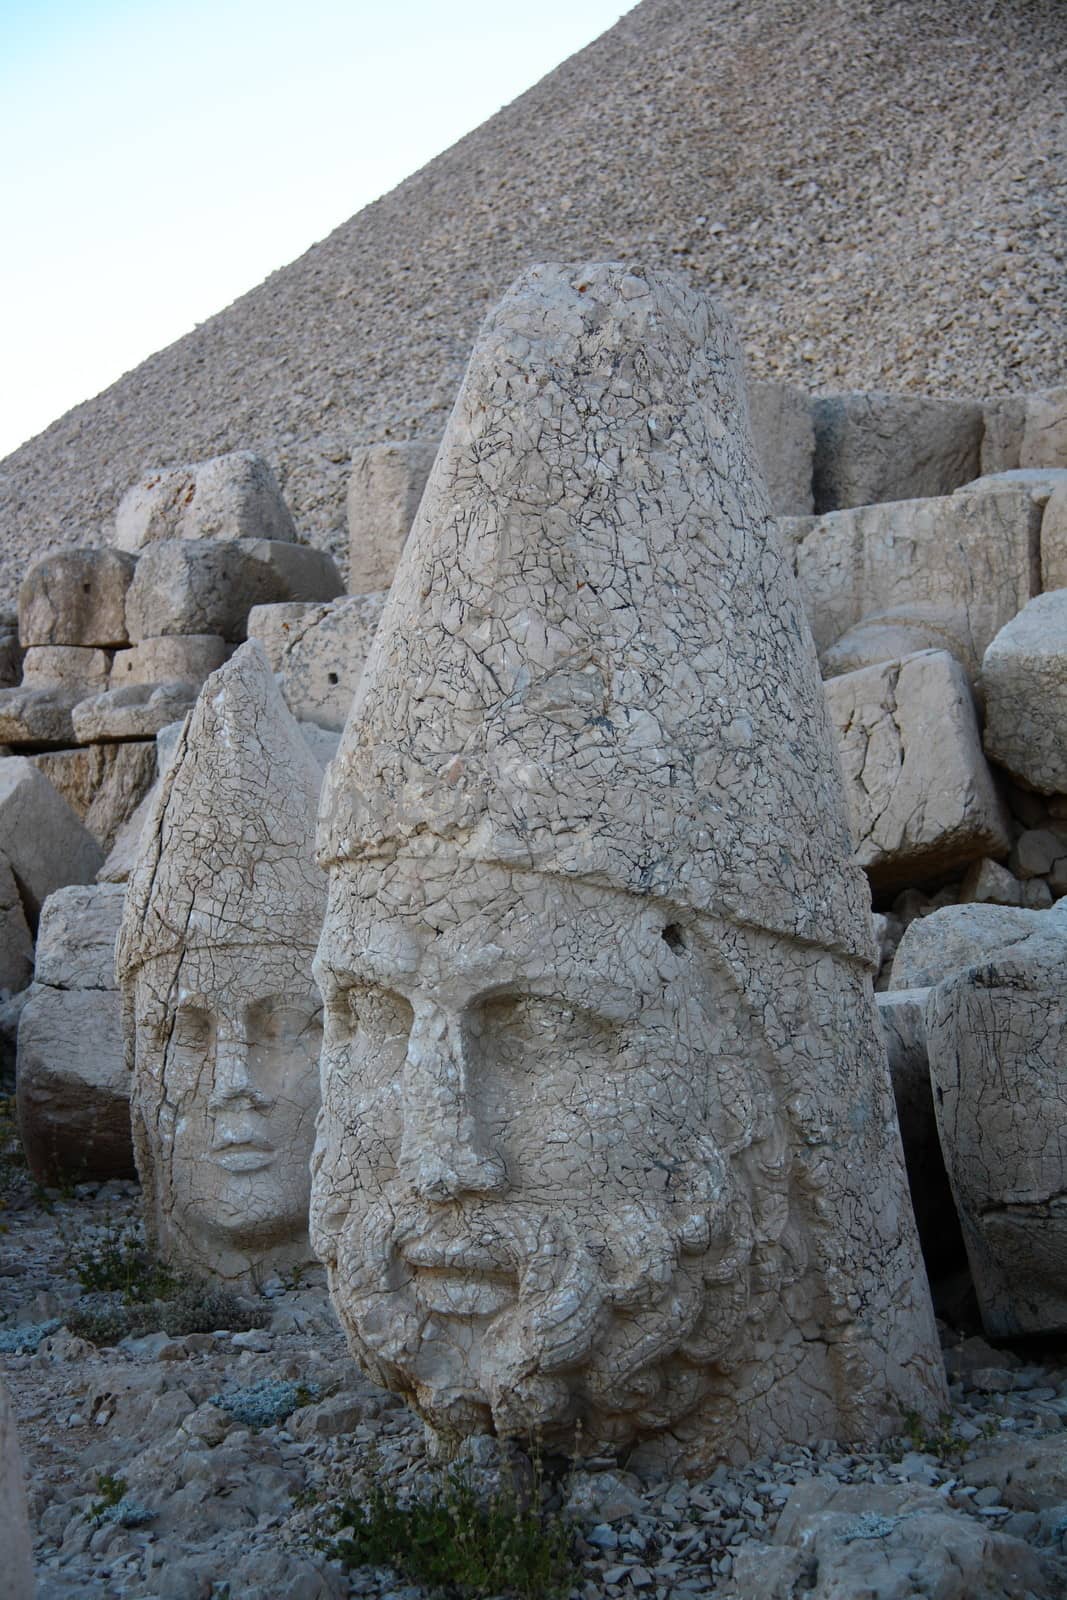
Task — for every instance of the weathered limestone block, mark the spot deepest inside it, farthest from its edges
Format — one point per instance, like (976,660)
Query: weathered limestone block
(72,1084)
(903,1017)
(317,652)
(958,568)
(384,491)
(14,1512)
(596,989)
(76,597)
(1044,441)
(136,711)
(1024,679)
(102,783)
(66,666)
(38,718)
(894,1542)
(954,937)
(784,433)
(921,798)
(876,447)
(997,1036)
(122,857)
(233,496)
(41,838)
(988,882)
(209,586)
(174,658)
(222,1019)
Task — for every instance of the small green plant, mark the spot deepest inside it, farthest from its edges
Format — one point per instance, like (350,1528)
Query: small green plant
(114,1259)
(191,1306)
(111,1490)
(457,1542)
(942,1440)
(265,1404)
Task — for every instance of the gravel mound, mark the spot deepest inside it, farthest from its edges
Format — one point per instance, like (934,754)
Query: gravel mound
(876,187)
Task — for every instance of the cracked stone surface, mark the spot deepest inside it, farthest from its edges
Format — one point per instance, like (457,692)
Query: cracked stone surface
(953,937)
(102,783)
(234,496)
(72,1083)
(997,1039)
(186,586)
(957,567)
(134,711)
(180,658)
(921,796)
(1044,441)
(607,1129)
(1024,677)
(317,652)
(386,484)
(222,1019)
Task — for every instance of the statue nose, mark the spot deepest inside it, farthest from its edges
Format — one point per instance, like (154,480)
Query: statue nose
(232,1080)
(442,1153)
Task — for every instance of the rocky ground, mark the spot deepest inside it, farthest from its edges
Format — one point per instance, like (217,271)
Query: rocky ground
(875,187)
(206,1465)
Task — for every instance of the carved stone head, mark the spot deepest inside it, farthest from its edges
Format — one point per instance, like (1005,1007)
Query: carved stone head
(223,1021)
(607,1136)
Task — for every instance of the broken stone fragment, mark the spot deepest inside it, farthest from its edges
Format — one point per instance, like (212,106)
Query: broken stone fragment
(41,838)
(997,1039)
(784,434)
(72,1084)
(954,937)
(233,496)
(209,586)
(136,711)
(1024,678)
(581,934)
(102,783)
(878,447)
(1044,440)
(38,718)
(921,797)
(223,1022)
(317,652)
(76,597)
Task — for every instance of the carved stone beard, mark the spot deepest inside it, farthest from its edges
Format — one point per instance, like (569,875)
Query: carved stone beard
(617,1322)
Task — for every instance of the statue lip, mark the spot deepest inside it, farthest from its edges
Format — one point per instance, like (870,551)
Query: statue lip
(241,1152)
(459,1277)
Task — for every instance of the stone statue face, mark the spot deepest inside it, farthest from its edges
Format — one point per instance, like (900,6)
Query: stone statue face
(228,1040)
(549,1181)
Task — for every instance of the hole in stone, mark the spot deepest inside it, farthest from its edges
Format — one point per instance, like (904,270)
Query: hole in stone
(673,937)
(331,677)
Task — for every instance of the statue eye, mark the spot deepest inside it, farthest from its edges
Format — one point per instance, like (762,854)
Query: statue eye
(193,1029)
(374,1013)
(534,1020)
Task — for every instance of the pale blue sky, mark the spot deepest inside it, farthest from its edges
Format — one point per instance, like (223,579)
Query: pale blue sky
(163,158)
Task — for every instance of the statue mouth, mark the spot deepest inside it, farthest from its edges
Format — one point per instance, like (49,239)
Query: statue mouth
(240,1151)
(459,1277)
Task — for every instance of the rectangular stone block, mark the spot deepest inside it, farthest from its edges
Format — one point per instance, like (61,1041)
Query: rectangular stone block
(136,711)
(72,1086)
(784,432)
(76,937)
(174,658)
(875,447)
(1003,421)
(38,718)
(16,940)
(234,496)
(76,597)
(317,652)
(102,783)
(209,586)
(921,798)
(67,666)
(384,491)
(959,566)
(1024,677)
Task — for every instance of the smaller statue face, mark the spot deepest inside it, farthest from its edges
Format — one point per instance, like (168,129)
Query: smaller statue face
(228,1041)
(550,1178)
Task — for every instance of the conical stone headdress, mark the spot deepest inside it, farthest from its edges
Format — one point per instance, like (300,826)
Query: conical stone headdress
(593,661)
(227,852)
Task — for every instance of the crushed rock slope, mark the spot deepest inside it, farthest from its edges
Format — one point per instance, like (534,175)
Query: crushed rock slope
(876,187)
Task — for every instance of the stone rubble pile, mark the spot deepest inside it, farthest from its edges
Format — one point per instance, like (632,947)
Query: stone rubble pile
(145,742)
